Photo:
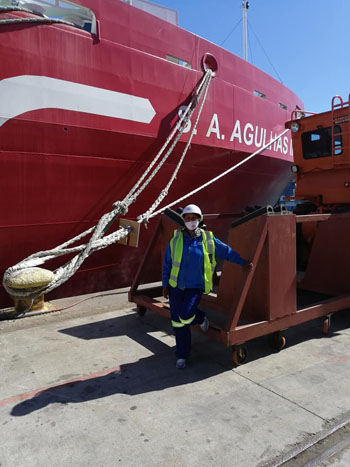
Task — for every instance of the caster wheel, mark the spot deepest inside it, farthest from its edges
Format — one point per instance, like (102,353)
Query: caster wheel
(277,340)
(141,310)
(240,354)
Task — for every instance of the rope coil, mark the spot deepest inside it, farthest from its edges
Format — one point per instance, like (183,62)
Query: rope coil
(42,18)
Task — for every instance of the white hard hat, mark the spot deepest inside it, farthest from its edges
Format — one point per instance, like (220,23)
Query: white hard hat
(192,209)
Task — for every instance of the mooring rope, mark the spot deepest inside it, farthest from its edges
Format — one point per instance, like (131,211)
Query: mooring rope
(215,179)
(98,241)
(146,216)
(42,18)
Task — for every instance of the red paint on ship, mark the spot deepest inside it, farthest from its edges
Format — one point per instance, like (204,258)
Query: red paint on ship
(62,169)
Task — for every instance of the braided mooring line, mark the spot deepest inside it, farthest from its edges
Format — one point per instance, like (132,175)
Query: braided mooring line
(97,241)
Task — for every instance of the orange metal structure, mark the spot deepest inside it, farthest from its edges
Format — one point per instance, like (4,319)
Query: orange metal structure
(264,300)
(282,246)
(321,145)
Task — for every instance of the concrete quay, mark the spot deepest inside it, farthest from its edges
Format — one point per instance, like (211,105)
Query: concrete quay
(96,385)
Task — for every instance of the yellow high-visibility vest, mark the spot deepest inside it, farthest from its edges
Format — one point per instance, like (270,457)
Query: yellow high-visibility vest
(176,249)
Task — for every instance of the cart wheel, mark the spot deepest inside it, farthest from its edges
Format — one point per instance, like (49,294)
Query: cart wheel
(326,325)
(141,310)
(240,354)
(277,340)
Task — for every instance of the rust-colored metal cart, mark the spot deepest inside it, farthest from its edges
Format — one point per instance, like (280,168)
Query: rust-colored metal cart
(263,301)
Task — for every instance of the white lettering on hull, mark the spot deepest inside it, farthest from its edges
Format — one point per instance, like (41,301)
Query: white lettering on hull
(26,93)
(252,135)
(248,137)
(214,127)
(187,128)
(236,133)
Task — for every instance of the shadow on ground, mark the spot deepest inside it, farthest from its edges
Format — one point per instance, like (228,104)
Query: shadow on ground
(153,373)
(157,372)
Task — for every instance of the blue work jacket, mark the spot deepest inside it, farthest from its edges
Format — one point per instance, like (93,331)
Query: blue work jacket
(192,262)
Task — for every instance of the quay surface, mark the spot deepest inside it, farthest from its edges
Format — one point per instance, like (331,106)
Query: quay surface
(96,385)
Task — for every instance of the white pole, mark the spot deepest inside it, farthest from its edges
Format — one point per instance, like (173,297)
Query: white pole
(245,6)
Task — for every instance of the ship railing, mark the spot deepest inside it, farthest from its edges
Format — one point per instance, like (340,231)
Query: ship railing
(340,130)
(297,114)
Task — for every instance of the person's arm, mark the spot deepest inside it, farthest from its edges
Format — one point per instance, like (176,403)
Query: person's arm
(223,251)
(166,272)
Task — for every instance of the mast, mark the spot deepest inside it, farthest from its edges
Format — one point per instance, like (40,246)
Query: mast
(245,6)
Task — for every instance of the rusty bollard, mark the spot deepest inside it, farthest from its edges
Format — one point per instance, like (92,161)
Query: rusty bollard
(30,279)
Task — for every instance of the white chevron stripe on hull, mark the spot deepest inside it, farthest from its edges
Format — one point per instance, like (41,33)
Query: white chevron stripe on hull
(26,93)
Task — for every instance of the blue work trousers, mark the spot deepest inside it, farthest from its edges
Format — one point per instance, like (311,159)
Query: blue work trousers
(183,304)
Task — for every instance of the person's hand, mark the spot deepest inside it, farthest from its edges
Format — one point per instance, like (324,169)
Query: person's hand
(247,265)
(166,292)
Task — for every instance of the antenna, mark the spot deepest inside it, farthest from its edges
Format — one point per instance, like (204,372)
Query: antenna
(245,6)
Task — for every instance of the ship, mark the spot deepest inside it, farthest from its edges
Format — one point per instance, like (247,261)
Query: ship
(89,92)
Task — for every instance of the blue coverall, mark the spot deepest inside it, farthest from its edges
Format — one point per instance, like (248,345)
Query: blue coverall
(185,298)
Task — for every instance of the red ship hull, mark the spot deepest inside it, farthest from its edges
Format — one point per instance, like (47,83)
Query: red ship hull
(62,167)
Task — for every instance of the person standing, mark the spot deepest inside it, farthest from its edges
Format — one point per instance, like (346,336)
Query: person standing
(188,268)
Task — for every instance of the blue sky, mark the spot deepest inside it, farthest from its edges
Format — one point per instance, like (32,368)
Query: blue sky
(307,42)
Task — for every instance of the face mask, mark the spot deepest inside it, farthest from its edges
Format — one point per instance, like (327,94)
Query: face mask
(192,225)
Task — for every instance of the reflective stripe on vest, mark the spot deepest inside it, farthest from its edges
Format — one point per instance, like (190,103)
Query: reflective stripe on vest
(176,249)
(209,259)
